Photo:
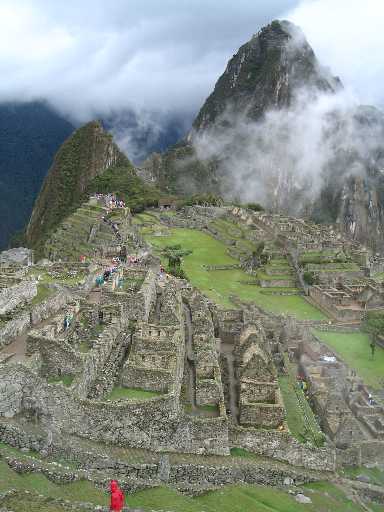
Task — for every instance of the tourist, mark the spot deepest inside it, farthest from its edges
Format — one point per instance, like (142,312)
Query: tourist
(117,497)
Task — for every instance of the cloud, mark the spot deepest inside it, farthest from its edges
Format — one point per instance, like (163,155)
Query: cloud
(91,58)
(160,59)
(348,36)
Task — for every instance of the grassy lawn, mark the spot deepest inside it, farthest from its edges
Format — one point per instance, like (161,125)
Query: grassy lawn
(301,421)
(83,347)
(65,379)
(43,292)
(76,491)
(251,498)
(219,285)
(354,349)
(66,279)
(241,498)
(375,475)
(120,393)
(379,277)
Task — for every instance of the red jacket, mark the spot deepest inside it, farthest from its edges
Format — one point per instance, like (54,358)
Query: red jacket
(117,497)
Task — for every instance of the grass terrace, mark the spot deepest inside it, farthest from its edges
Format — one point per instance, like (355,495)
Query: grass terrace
(241,498)
(65,278)
(43,293)
(354,349)
(326,256)
(300,418)
(219,285)
(66,380)
(39,492)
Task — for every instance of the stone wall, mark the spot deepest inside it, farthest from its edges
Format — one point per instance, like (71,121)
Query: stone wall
(36,314)
(209,388)
(154,424)
(262,414)
(96,359)
(16,295)
(282,446)
(57,356)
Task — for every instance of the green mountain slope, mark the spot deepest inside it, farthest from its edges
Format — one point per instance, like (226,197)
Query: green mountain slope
(88,161)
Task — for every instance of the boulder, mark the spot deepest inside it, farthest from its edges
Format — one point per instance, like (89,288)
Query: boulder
(301,498)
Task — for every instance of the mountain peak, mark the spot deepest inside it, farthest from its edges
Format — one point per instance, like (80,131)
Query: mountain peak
(266,73)
(87,153)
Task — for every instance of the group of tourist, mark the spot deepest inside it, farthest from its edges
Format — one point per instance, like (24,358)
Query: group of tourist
(302,383)
(113,225)
(68,319)
(112,202)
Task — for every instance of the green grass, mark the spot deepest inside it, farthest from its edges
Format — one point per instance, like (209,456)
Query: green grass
(76,491)
(219,285)
(301,421)
(65,379)
(379,277)
(43,293)
(245,454)
(244,498)
(146,217)
(274,277)
(375,475)
(253,498)
(121,393)
(354,349)
(83,347)
(46,278)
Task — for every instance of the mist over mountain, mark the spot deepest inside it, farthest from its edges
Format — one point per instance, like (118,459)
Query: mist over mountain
(30,135)
(139,135)
(281,130)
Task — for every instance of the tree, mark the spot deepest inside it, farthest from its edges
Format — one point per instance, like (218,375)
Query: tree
(374,326)
(257,258)
(310,278)
(174,254)
(256,207)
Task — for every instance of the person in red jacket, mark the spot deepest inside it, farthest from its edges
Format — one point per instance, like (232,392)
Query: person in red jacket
(117,497)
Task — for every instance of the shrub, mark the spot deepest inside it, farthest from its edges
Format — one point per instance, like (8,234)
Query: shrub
(256,207)
(310,278)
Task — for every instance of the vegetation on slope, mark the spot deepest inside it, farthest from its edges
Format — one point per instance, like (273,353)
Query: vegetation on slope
(220,285)
(83,156)
(124,182)
(87,162)
(253,498)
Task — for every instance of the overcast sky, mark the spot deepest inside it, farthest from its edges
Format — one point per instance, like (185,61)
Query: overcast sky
(91,57)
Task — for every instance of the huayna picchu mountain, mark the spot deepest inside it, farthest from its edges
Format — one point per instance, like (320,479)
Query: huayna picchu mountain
(88,161)
(277,129)
(265,74)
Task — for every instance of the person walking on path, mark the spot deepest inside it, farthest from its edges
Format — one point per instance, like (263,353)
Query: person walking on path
(117,497)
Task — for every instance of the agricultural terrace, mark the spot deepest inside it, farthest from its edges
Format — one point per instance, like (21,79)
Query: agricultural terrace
(220,285)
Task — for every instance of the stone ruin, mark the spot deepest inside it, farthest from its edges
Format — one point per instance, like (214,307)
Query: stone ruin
(204,380)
